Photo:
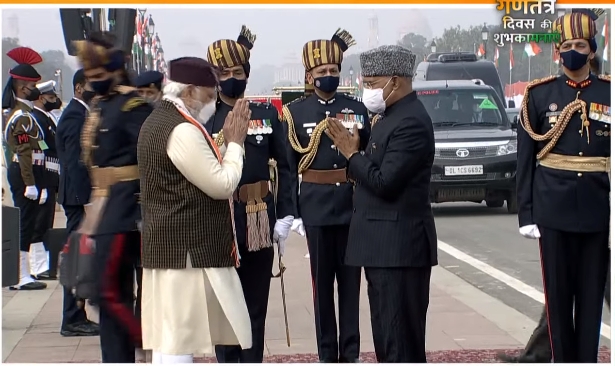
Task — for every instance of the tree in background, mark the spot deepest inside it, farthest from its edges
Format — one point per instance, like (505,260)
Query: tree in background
(52,60)
(417,44)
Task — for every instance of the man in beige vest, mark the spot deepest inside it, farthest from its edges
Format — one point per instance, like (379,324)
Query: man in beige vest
(192,297)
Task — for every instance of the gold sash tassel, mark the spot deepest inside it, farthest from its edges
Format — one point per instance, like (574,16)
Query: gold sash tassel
(258,233)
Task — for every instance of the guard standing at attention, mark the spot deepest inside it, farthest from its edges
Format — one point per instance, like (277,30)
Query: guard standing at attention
(24,139)
(563,188)
(39,251)
(262,215)
(149,86)
(109,142)
(325,199)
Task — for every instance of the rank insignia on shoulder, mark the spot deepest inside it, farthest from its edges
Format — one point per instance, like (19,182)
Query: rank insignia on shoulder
(599,112)
(352,97)
(132,103)
(537,82)
(605,77)
(260,127)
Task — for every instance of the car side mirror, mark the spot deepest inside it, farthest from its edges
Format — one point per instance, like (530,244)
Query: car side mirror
(515,122)
(511,104)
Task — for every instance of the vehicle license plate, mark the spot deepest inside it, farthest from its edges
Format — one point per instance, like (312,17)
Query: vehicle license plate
(463,170)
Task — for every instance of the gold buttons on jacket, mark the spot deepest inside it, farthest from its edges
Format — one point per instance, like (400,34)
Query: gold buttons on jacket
(580,174)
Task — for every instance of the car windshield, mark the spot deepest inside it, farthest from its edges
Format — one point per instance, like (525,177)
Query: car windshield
(467,107)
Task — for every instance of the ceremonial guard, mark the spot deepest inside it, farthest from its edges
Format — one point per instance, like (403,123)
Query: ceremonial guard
(538,347)
(26,172)
(109,142)
(149,86)
(325,199)
(264,199)
(47,102)
(563,188)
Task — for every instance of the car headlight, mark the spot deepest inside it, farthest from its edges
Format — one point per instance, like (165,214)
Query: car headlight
(509,148)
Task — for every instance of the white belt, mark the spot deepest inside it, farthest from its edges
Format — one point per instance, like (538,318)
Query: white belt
(38,158)
(54,167)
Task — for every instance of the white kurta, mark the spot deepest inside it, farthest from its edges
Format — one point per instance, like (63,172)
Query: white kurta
(188,311)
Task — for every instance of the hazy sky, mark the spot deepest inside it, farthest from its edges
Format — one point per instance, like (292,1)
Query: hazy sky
(281,33)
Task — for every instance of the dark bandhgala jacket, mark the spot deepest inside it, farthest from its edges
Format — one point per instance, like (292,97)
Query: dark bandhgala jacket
(178,218)
(392,224)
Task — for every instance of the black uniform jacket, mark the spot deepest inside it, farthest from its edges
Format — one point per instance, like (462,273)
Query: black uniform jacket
(116,146)
(557,199)
(48,127)
(75,186)
(260,146)
(324,204)
(392,224)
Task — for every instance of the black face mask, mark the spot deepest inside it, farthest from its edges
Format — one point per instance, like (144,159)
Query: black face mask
(34,94)
(233,88)
(101,87)
(87,96)
(50,106)
(328,84)
(573,60)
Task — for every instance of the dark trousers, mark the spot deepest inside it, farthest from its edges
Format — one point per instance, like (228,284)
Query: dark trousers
(255,275)
(574,268)
(28,209)
(45,218)
(398,302)
(71,312)
(327,248)
(119,329)
(538,348)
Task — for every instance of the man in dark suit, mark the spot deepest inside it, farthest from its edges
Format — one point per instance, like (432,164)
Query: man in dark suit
(392,231)
(74,193)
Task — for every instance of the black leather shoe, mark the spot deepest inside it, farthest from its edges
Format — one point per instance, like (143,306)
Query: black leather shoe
(84,329)
(45,277)
(36,285)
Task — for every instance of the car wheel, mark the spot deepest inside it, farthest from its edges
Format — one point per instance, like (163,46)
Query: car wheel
(511,205)
(495,203)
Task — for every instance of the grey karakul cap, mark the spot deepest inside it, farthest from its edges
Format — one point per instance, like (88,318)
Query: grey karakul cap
(388,61)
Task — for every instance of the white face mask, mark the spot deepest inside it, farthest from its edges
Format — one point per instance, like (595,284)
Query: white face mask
(374,99)
(206,112)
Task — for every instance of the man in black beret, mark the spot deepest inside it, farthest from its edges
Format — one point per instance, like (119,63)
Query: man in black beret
(149,86)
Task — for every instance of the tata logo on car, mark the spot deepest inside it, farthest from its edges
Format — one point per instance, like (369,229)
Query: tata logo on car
(462,153)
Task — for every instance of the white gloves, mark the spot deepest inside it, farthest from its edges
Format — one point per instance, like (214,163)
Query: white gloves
(298,227)
(43,197)
(31,193)
(280,232)
(530,231)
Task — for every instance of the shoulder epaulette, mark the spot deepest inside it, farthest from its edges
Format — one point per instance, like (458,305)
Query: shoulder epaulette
(351,97)
(132,103)
(266,105)
(301,98)
(604,77)
(537,82)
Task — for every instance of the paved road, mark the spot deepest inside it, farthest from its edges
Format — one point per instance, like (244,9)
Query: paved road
(491,236)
